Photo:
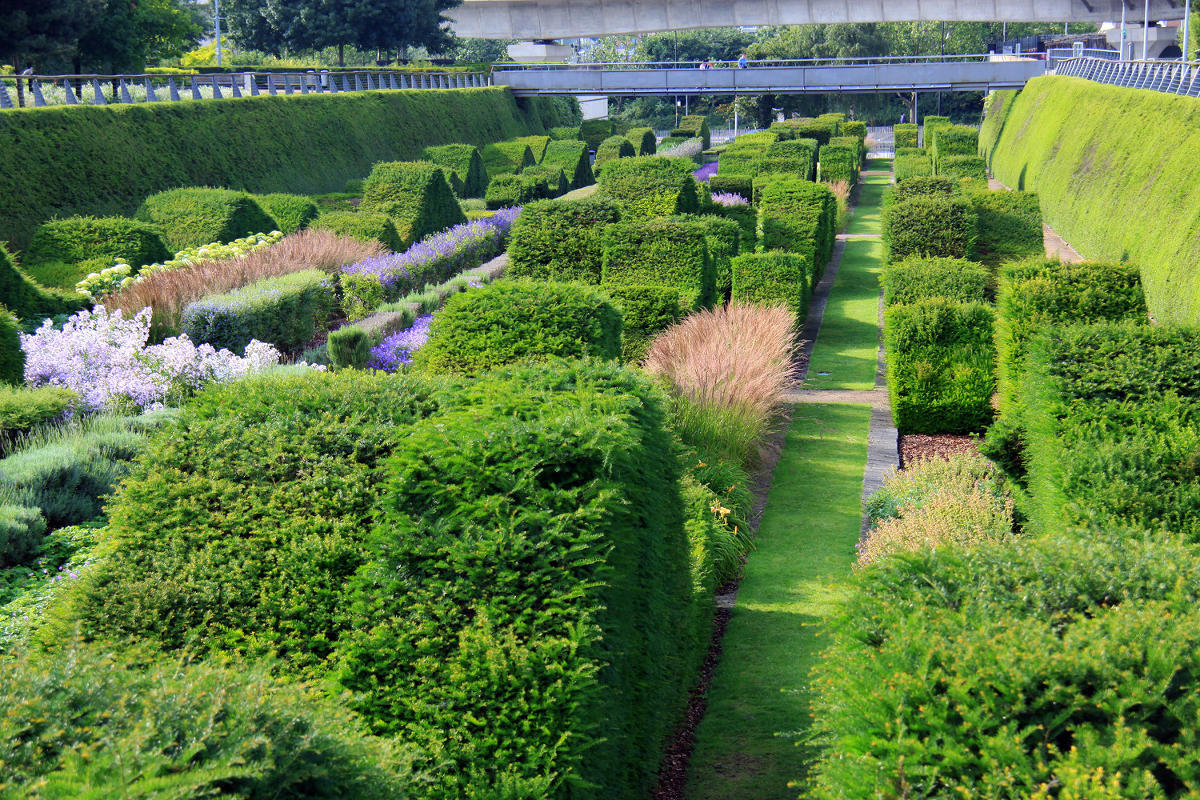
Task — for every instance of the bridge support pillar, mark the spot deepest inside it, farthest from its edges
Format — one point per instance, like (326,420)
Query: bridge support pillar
(539,52)
(594,106)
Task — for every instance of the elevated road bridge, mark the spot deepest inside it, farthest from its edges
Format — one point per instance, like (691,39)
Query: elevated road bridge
(533,20)
(944,74)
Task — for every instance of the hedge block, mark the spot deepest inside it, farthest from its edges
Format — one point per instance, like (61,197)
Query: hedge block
(291,212)
(514,190)
(1010,226)
(651,186)
(732,184)
(611,149)
(287,312)
(561,241)
(908,166)
(916,279)
(962,167)
(646,311)
(595,131)
(942,227)
(724,238)
(661,252)
(696,126)
(550,181)
(795,215)
(28,299)
(644,141)
(196,216)
(905,135)
(362,225)
(839,163)
(415,195)
(506,158)
(572,158)
(774,278)
(951,140)
(537,146)
(77,239)
(464,165)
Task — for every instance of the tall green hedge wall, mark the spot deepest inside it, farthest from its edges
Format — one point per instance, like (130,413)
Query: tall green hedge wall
(1116,171)
(105,160)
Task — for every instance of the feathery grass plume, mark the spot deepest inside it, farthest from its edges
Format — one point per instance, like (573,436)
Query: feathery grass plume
(841,193)
(730,367)
(167,293)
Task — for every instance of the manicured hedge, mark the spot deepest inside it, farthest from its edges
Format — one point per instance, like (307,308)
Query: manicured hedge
(962,167)
(563,132)
(940,365)
(517,320)
(291,212)
(646,311)
(951,140)
(561,241)
(854,128)
(661,252)
(908,166)
(651,186)
(29,300)
(915,279)
(644,141)
(496,568)
(733,184)
(23,409)
(996,107)
(839,163)
(794,214)
(803,149)
(287,312)
(1041,295)
(537,146)
(821,130)
(738,163)
(1010,226)
(21,531)
(595,131)
(723,237)
(464,165)
(774,278)
(196,216)
(942,227)
(415,195)
(514,190)
(696,126)
(77,239)
(572,158)
(506,158)
(905,135)
(12,359)
(1104,188)
(611,149)
(746,217)
(310,144)
(550,181)
(932,125)
(362,225)
(921,186)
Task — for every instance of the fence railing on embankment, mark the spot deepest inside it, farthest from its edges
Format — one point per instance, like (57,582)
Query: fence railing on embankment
(1172,77)
(45,90)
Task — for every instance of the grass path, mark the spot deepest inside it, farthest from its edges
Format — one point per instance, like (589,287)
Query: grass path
(805,544)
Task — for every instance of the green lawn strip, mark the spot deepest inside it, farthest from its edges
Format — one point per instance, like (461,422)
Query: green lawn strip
(878,164)
(866,218)
(846,349)
(752,740)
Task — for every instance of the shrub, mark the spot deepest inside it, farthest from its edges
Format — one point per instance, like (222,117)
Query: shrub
(610,149)
(1043,295)
(671,142)
(506,158)
(916,279)
(695,126)
(803,149)
(28,299)
(921,186)
(365,226)
(561,241)
(935,503)
(508,191)
(595,131)
(731,367)
(739,163)
(22,409)
(464,166)
(561,133)
(854,128)
(646,311)
(291,212)
(86,717)
(798,215)
(549,181)
(12,360)
(537,146)
(415,195)
(953,140)
(839,162)
(962,167)
(21,532)
(572,158)
(746,218)
(774,278)
(643,140)
(78,239)
(732,184)
(909,166)
(820,130)
(195,216)
(349,347)
(940,360)
(905,135)
(660,252)
(723,237)
(651,186)
(929,226)
(1010,225)
(286,311)
(512,321)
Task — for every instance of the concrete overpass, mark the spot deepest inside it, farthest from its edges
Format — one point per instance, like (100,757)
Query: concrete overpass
(569,19)
(932,76)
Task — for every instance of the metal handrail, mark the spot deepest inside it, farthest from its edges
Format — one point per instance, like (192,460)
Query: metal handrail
(1170,77)
(756,62)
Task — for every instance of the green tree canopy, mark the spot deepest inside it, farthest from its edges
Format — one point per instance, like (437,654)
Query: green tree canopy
(33,31)
(129,33)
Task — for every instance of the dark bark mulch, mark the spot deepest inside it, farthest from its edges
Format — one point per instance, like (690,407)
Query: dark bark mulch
(915,446)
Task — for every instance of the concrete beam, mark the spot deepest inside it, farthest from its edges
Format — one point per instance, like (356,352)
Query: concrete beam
(568,19)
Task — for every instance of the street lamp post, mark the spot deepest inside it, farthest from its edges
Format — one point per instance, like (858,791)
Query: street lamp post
(217,27)
(1187,29)
(1146,32)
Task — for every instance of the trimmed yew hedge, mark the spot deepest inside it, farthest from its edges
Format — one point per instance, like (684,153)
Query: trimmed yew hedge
(464,166)
(196,216)
(651,186)
(415,195)
(77,239)
(942,227)
(572,158)
(562,240)
(611,149)
(661,252)
(774,278)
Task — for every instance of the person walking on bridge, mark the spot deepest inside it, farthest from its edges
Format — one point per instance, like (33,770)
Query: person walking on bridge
(743,62)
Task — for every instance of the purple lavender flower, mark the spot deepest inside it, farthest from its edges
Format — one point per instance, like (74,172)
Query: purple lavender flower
(729,199)
(397,350)
(705,172)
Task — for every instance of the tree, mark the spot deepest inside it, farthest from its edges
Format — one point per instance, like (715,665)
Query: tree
(131,32)
(716,44)
(34,31)
(480,51)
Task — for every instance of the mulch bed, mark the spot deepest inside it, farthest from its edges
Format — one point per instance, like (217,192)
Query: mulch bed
(915,446)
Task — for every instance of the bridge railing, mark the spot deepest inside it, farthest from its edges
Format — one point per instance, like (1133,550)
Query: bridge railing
(1172,77)
(751,63)
(45,90)
(1056,55)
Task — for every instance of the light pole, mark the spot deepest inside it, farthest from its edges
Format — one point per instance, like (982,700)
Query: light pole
(1146,31)
(217,27)
(1123,33)
(1187,23)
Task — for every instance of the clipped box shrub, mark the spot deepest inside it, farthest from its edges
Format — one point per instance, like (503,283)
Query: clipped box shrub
(696,126)
(952,140)
(1041,294)
(561,133)
(415,195)
(21,532)
(572,158)
(611,149)
(796,215)
(363,226)
(905,135)
(962,167)
(550,181)
(197,216)
(651,186)
(561,241)
(643,140)
(1010,226)
(723,237)
(916,279)
(513,190)
(661,252)
(519,320)
(28,299)
(77,239)
(12,358)
(595,131)
(506,158)
(23,409)
(774,278)
(740,162)
(646,311)
(941,227)
(464,166)
(291,212)
(909,166)
(287,312)
(921,186)
(839,162)
(940,366)
(732,184)
(537,145)
(803,149)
